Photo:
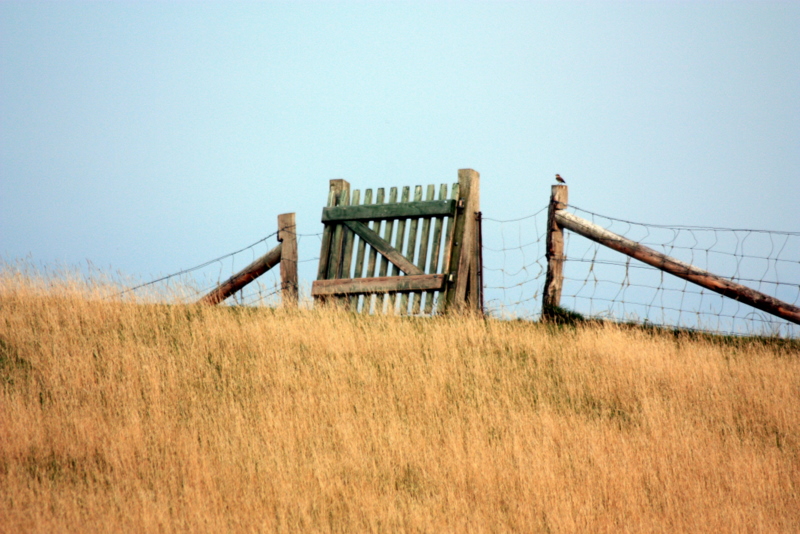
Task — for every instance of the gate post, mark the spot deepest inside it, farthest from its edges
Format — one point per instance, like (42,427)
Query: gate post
(554,280)
(333,235)
(287,235)
(463,291)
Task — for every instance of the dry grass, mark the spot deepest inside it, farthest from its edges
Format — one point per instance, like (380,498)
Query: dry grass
(122,417)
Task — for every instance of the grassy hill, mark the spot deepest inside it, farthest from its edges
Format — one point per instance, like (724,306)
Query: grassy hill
(124,417)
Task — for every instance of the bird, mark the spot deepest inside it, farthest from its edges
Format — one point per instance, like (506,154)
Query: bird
(559,179)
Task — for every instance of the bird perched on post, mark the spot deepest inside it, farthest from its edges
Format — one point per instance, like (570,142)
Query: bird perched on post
(559,179)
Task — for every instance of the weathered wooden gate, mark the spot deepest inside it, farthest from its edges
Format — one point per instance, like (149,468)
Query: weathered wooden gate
(441,267)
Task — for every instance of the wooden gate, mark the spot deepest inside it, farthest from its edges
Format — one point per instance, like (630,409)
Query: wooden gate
(440,268)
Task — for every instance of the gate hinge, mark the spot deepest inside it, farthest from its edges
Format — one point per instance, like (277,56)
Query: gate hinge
(460,203)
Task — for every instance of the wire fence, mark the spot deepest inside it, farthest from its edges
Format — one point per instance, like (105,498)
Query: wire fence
(514,265)
(598,282)
(602,283)
(190,285)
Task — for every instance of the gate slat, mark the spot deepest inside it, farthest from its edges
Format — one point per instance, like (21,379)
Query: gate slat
(360,256)
(436,250)
(373,255)
(348,242)
(387,236)
(401,234)
(416,298)
(325,248)
(448,244)
(335,265)
(411,248)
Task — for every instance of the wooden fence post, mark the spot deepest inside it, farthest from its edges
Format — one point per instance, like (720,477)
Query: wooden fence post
(554,280)
(285,254)
(243,277)
(463,292)
(683,270)
(287,235)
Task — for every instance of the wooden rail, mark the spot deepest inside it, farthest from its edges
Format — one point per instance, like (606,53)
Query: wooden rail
(285,254)
(675,267)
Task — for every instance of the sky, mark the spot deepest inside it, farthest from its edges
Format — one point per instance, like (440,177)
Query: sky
(148,137)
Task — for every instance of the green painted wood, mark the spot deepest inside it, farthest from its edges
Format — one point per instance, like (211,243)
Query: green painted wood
(405,210)
(411,248)
(382,246)
(422,258)
(384,284)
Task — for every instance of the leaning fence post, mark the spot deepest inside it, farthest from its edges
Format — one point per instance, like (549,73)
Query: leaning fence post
(287,235)
(554,280)
(686,271)
(243,277)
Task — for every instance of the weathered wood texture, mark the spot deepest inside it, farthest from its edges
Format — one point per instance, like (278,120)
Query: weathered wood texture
(678,268)
(287,235)
(554,279)
(441,231)
(381,284)
(388,251)
(404,210)
(334,195)
(413,269)
(285,254)
(463,293)
(243,277)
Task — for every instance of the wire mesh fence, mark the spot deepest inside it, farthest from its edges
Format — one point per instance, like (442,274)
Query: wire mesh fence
(602,283)
(514,265)
(605,282)
(191,284)
(598,282)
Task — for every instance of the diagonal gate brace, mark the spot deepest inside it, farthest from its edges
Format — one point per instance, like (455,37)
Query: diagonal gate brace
(382,246)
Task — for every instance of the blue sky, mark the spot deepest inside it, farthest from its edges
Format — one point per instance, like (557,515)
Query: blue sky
(147,137)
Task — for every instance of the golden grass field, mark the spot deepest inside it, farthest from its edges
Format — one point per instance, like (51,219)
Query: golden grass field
(138,418)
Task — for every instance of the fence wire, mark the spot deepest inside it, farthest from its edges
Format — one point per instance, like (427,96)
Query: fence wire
(190,285)
(514,265)
(600,282)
